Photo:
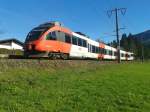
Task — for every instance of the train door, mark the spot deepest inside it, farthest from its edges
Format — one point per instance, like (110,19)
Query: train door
(126,55)
(61,40)
(89,48)
(89,51)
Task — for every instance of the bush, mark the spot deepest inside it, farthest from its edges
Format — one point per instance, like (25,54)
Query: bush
(11,52)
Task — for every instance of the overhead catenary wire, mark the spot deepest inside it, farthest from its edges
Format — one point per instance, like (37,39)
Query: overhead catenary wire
(101,13)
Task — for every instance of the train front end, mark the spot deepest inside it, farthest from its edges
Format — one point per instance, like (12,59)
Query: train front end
(34,43)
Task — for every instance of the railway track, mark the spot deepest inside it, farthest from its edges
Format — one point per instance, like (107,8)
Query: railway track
(21,59)
(14,58)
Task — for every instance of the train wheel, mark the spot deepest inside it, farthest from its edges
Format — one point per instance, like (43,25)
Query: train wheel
(51,56)
(64,56)
(54,57)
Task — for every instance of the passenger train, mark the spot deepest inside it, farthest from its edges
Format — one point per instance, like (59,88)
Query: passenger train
(52,40)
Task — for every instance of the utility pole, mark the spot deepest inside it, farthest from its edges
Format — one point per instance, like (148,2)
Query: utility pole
(117,34)
(110,12)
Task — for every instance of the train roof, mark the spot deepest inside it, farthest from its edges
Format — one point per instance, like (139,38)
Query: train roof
(50,24)
(80,33)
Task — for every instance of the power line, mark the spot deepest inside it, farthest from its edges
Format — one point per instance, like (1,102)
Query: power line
(116,12)
(101,12)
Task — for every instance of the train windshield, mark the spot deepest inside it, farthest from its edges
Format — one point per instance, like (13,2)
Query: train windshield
(36,33)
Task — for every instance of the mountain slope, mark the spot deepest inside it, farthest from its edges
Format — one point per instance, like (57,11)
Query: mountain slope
(144,37)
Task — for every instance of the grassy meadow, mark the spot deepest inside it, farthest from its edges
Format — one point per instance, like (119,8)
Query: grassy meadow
(74,86)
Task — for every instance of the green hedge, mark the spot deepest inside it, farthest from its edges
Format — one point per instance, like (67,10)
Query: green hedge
(11,52)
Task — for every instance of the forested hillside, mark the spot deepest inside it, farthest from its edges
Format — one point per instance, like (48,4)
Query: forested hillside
(135,43)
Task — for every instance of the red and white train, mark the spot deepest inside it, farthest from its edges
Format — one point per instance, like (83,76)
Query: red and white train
(52,40)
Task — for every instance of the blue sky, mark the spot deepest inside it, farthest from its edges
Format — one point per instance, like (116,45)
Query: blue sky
(18,17)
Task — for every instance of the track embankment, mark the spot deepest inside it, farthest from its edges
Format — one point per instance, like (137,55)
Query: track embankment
(45,63)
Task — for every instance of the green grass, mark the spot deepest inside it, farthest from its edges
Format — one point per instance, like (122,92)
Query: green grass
(51,86)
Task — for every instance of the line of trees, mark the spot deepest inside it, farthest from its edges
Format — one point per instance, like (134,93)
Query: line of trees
(133,44)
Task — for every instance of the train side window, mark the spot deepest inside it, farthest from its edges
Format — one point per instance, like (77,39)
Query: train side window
(84,43)
(122,55)
(51,36)
(67,38)
(79,42)
(105,51)
(74,40)
(110,52)
(115,53)
(93,49)
(101,51)
(97,50)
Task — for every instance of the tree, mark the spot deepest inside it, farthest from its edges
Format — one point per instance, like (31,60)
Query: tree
(131,44)
(138,47)
(147,51)
(124,42)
